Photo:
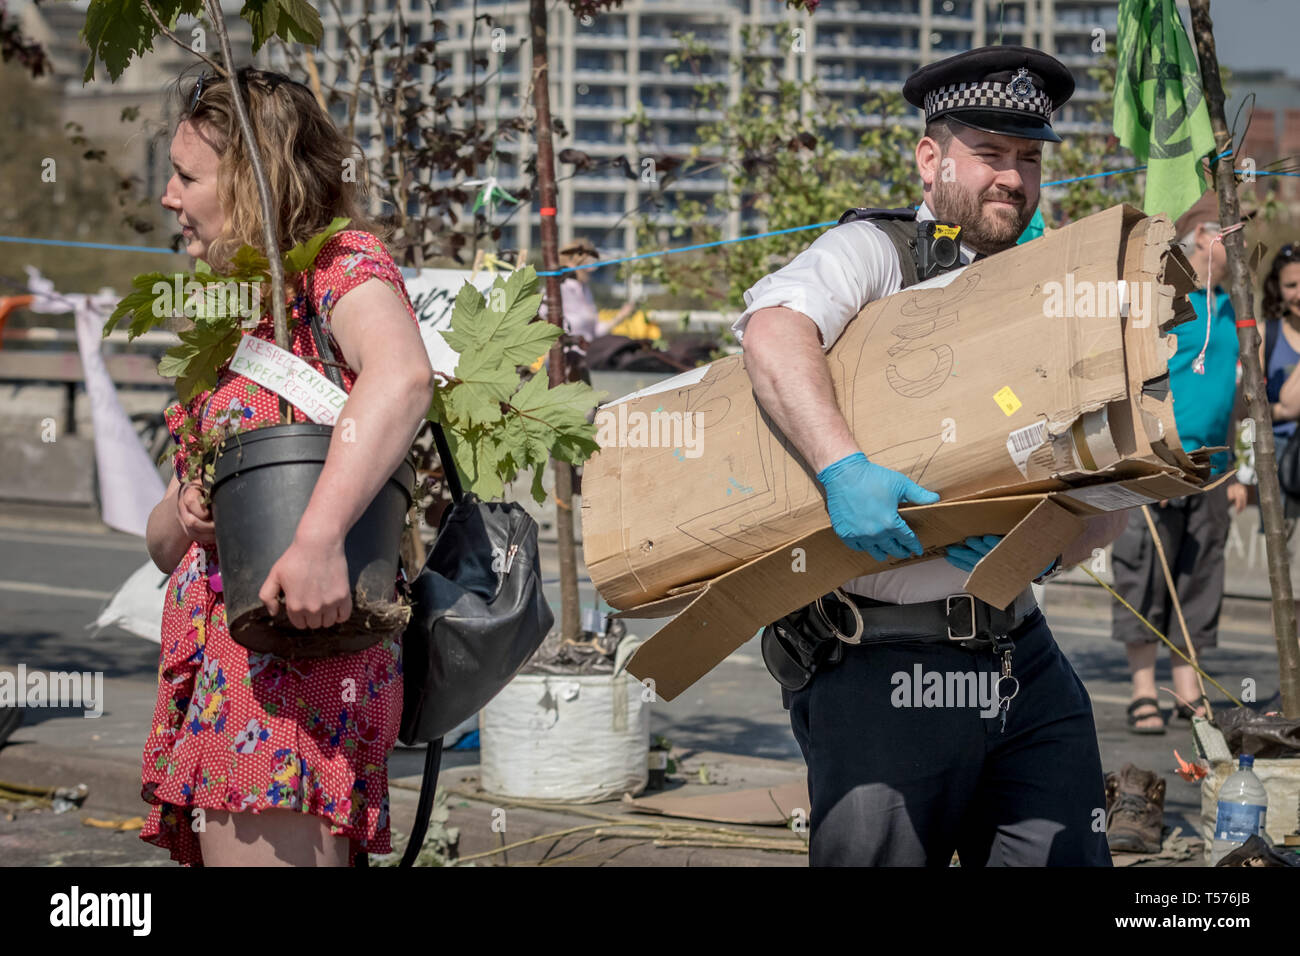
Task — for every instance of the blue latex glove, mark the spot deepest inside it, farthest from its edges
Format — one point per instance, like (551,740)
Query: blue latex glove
(968,555)
(863,499)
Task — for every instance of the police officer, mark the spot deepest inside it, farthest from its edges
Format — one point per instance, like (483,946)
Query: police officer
(901,769)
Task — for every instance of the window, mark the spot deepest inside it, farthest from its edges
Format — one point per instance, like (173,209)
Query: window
(600,96)
(605,25)
(952,8)
(594,131)
(598,61)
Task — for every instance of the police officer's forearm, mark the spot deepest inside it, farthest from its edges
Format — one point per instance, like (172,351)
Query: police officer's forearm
(787,366)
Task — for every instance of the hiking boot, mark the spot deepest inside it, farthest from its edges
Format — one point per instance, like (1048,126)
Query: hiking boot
(10,718)
(1135,810)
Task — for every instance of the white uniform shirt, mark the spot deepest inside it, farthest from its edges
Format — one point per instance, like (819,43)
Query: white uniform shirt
(845,268)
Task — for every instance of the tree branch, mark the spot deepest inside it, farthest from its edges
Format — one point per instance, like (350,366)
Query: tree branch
(221,70)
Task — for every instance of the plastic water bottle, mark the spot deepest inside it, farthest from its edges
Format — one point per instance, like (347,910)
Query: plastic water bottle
(1243,804)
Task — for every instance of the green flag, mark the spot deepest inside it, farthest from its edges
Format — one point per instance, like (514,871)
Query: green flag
(1160,114)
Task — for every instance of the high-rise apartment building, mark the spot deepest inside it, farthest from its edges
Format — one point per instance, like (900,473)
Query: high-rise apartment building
(602,70)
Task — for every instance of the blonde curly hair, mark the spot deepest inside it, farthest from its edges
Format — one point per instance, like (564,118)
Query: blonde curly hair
(304,154)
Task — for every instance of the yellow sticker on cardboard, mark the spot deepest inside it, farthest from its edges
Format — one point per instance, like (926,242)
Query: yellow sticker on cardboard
(1006,400)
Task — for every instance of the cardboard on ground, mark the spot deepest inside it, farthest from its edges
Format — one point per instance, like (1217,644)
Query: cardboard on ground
(1025,423)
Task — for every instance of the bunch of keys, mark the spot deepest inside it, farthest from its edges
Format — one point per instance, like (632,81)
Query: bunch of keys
(1002,645)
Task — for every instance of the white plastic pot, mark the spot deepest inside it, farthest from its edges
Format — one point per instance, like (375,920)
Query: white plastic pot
(575,739)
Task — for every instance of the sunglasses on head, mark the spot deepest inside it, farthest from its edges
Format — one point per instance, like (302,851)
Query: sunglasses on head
(198,90)
(248,77)
(1290,251)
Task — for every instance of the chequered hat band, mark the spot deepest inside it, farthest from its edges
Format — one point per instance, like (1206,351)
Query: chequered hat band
(988,95)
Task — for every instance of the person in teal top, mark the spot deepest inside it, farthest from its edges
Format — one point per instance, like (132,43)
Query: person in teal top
(1203,402)
(1194,529)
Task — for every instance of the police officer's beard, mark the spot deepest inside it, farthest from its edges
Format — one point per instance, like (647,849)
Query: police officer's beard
(987,229)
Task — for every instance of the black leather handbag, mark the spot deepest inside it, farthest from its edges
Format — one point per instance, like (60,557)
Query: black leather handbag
(478,614)
(1288,467)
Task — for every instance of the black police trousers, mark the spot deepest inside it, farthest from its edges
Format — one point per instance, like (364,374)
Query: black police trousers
(908,762)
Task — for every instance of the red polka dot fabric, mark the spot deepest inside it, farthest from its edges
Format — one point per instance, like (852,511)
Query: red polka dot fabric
(241,731)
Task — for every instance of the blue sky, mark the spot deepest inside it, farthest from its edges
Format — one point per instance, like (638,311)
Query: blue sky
(1255,34)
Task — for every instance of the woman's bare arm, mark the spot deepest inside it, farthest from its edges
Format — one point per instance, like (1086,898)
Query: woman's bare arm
(164,536)
(373,434)
(383,412)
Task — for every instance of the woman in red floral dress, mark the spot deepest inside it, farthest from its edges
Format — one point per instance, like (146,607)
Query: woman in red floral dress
(254,759)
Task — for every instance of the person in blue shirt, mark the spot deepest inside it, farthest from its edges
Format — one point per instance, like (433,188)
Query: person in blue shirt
(1194,529)
(1281,364)
(1281,304)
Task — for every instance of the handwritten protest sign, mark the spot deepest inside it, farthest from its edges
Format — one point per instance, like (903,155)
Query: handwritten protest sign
(289,376)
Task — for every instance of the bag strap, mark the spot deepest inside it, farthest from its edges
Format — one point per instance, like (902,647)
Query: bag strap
(330,363)
(899,227)
(1271,330)
(323,349)
(448,464)
(433,752)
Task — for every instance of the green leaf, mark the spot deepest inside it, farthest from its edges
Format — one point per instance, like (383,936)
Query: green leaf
(301,256)
(117,30)
(565,403)
(248,263)
(301,22)
(478,463)
(465,316)
(290,20)
(263,16)
(504,322)
(139,305)
(484,384)
(194,363)
(531,342)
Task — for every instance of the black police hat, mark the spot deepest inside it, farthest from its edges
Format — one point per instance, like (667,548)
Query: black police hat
(1011,90)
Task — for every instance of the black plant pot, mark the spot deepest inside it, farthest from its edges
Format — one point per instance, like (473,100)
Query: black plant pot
(262,483)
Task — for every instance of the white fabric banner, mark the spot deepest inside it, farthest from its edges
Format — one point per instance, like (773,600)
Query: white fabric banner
(137,606)
(433,293)
(129,485)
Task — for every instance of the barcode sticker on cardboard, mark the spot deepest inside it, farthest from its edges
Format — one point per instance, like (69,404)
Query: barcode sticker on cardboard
(1110,497)
(1022,442)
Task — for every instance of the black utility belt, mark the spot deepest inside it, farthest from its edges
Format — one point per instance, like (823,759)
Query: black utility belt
(813,638)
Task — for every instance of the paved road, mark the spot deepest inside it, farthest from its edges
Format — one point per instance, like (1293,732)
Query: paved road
(54,579)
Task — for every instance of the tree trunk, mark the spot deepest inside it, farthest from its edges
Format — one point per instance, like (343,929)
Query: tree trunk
(569,628)
(270,211)
(1252,377)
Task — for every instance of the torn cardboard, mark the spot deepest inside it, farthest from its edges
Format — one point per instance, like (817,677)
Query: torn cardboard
(715,619)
